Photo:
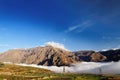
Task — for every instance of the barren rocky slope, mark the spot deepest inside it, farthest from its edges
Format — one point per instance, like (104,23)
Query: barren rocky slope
(47,55)
(90,56)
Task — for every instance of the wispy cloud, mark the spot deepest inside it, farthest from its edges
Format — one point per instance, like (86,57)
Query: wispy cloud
(4,45)
(118,38)
(107,18)
(106,37)
(80,27)
(109,37)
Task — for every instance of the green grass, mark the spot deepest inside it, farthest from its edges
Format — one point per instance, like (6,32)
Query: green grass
(52,77)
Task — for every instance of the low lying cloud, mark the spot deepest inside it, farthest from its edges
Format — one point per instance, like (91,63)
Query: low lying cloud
(56,45)
(84,67)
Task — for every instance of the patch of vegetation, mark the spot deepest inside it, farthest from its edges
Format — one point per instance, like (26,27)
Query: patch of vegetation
(1,64)
(52,77)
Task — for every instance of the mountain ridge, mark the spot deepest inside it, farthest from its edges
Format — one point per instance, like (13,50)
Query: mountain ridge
(47,55)
(52,56)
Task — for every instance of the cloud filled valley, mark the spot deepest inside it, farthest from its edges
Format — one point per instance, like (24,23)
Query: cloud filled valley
(84,67)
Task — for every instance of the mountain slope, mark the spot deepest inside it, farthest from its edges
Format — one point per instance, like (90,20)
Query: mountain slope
(40,55)
(112,55)
(90,55)
(13,56)
(100,56)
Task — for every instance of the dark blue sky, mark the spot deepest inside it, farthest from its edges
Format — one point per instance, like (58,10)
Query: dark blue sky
(78,24)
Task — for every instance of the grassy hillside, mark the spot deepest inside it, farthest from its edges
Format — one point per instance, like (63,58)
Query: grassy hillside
(11,69)
(15,72)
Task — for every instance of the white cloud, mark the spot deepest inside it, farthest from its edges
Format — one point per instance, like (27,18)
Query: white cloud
(84,67)
(56,45)
(80,27)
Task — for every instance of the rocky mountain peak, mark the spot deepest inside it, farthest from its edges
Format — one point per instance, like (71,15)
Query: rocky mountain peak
(47,55)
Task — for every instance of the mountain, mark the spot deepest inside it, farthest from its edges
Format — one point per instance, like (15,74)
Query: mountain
(112,55)
(89,55)
(47,55)
(52,56)
(100,56)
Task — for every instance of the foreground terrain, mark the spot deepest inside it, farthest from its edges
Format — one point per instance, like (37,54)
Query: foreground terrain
(15,72)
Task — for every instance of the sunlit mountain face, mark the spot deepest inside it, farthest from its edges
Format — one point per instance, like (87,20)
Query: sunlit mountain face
(76,24)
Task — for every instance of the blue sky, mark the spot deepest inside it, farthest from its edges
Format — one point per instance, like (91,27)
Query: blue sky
(78,24)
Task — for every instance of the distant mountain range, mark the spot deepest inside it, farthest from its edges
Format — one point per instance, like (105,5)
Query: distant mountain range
(51,56)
